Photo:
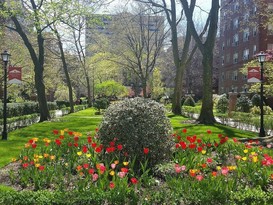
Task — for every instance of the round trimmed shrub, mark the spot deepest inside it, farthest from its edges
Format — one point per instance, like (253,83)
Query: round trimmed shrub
(222,104)
(189,101)
(138,123)
(101,103)
(243,104)
(256,99)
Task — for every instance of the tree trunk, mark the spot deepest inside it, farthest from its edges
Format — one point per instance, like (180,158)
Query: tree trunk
(89,95)
(177,96)
(68,81)
(206,114)
(38,61)
(144,88)
(40,87)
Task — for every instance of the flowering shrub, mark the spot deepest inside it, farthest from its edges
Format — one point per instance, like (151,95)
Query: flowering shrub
(139,125)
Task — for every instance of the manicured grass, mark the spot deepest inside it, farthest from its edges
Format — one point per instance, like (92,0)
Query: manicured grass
(180,122)
(83,121)
(86,121)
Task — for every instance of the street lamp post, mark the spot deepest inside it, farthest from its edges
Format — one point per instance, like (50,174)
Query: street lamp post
(261,58)
(5,58)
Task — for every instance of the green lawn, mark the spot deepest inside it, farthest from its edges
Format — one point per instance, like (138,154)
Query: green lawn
(83,121)
(86,121)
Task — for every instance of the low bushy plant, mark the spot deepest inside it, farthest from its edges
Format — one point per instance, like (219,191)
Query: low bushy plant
(256,99)
(62,104)
(52,105)
(257,110)
(243,104)
(101,103)
(183,100)
(189,101)
(140,125)
(222,104)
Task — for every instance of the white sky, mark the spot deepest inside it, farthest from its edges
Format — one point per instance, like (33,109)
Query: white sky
(118,4)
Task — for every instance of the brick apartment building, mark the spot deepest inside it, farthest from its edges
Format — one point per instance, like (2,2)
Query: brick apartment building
(242,35)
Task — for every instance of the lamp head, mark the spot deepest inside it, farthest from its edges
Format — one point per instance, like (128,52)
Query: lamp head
(5,56)
(262,57)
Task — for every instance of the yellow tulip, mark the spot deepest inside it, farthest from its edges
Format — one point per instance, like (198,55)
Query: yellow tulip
(255,159)
(35,139)
(125,163)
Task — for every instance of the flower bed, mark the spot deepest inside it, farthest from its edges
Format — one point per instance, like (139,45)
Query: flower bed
(201,171)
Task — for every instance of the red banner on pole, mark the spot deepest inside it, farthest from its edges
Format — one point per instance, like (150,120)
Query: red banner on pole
(254,75)
(15,75)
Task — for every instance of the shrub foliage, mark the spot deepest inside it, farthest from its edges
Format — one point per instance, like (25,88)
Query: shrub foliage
(138,124)
(256,100)
(189,101)
(243,104)
(222,104)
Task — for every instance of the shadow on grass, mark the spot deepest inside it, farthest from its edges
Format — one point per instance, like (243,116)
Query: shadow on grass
(193,128)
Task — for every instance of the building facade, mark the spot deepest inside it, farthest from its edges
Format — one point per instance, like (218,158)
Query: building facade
(243,34)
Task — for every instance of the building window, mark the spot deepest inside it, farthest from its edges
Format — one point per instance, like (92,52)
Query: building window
(223,46)
(236,6)
(254,49)
(235,58)
(228,58)
(227,75)
(244,77)
(222,90)
(246,34)
(246,1)
(235,75)
(244,89)
(246,54)
(235,40)
(255,10)
(255,30)
(270,29)
(228,42)
(270,46)
(222,76)
(235,23)
(246,17)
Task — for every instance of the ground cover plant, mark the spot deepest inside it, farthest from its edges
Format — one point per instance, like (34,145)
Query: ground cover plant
(66,166)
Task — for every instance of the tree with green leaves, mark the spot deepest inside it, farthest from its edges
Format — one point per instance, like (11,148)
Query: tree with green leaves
(110,89)
(33,14)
